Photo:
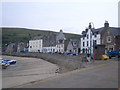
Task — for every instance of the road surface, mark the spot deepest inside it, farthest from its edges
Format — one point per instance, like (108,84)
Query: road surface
(99,76)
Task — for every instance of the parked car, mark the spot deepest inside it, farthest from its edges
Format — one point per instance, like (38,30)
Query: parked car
(60,52)
(113,54)
(10,61)
(4,64)
(75,54)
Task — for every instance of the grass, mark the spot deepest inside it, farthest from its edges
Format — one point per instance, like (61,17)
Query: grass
(13,35)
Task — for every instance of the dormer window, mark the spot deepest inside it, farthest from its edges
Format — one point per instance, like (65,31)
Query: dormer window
(60,41)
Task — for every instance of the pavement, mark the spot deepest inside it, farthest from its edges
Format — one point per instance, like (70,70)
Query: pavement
(26,70)
(99,76)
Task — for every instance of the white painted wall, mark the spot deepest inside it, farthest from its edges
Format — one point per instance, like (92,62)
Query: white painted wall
(51,49)
(90,41)
(35,45)
(60,47)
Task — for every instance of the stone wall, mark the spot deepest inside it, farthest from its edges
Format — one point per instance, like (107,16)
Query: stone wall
(64,61)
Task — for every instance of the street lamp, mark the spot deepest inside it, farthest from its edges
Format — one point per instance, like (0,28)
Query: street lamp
(90,27)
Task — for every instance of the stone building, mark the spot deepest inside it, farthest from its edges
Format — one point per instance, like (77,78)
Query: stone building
(12,47)
(73,46)
(107,36)
(55,42)
(60,42)
(110,37)
(49,43)
(22,47)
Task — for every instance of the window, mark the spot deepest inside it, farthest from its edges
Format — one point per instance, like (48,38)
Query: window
(60,41)
(83,38)
(95,42)
(62,45)
(95,35)
(86,50)
(108,39)
(74,43)
(83,44)
(83,50)
(87,43)
(87,36)
(110,47)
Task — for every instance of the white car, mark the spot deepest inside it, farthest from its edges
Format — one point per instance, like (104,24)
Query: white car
(4,64)
(10,61)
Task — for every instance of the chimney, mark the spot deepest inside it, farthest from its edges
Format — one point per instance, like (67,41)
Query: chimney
(106,24)
(61,30)
(90,26)
(86,29)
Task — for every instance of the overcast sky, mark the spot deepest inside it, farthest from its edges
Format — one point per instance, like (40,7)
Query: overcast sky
(70,16)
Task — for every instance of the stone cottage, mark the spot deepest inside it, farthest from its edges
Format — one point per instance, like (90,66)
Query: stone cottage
(73,46)
(110,37)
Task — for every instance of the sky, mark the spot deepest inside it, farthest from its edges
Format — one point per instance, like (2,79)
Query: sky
(72,16)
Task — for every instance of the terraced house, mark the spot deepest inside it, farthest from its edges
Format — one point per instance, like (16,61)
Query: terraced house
(51,43)
(73,46)
(107,36)
(35,44)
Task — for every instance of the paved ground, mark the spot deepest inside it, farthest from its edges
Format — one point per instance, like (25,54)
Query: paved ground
(26,70)
(99,76)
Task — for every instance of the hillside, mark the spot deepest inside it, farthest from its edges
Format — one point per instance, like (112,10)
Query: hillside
(12,35)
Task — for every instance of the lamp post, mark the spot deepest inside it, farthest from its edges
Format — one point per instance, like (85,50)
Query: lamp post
(90,36)
(90,27)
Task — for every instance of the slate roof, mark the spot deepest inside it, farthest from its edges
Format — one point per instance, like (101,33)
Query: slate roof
(60,36)
(37,38)
(98,30)
(75,41)
(115,31)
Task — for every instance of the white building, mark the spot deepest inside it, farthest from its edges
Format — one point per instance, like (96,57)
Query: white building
(50,43)
(60,39)
(90,38)
(51,49)
(60,47)
(35,45)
